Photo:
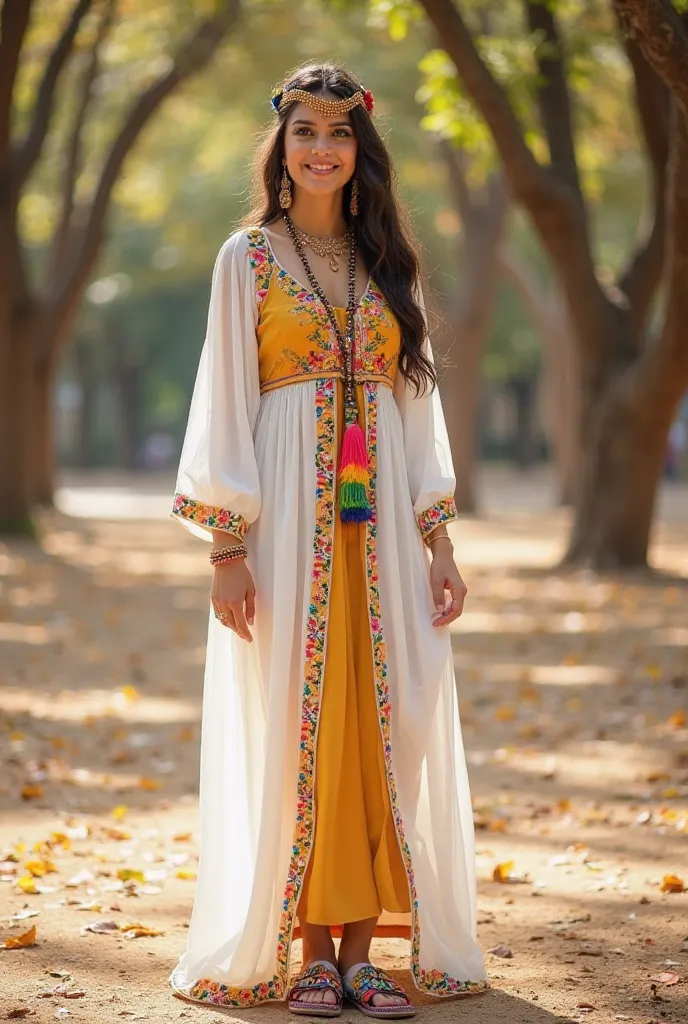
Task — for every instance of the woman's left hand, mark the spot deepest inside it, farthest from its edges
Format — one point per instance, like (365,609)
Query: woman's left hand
(445,577)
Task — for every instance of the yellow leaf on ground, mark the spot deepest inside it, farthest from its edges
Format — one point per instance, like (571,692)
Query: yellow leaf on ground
(505,713)
(117,833)
(20,941)
(678,719)
(186,734)
(672,883)
(188,876)
(119,813)
(145,782)
(130,692)
(60,839)
(137,931)
(182,837)
(38,868)
(31,791)
(27,884)
(130,874)
(502,871)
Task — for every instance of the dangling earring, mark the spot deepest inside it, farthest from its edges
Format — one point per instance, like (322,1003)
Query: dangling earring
(353,202)
(285,188)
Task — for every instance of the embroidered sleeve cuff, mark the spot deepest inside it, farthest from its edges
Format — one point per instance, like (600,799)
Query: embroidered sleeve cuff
(443,511)
(211,516)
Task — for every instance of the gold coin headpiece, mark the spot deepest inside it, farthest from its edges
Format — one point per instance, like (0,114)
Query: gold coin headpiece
(282,98)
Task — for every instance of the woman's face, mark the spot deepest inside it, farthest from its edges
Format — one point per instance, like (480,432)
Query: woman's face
(320,151)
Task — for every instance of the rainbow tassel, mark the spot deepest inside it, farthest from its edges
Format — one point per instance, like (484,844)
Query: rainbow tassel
(354,477)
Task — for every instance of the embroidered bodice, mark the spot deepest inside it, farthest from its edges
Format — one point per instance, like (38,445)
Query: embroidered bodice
(295,339)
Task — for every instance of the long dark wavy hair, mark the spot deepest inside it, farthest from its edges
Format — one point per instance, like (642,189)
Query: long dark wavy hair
(383,236)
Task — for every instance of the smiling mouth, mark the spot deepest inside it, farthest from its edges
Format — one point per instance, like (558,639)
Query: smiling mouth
(321,168)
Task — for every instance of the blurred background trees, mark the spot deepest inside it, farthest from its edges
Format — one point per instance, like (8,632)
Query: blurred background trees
(533,158)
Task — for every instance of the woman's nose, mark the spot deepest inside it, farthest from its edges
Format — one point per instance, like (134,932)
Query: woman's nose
(321,145)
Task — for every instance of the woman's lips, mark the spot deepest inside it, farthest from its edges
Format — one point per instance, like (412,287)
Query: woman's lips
(321,169)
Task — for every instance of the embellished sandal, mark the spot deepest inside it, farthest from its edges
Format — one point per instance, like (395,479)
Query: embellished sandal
(363,982)
(320,975)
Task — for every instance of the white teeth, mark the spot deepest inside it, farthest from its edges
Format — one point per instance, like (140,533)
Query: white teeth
(321,167)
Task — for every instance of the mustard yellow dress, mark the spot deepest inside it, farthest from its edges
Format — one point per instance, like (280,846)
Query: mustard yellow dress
(356,870)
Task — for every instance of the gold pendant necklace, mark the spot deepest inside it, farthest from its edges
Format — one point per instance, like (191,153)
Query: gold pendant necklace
(324,247)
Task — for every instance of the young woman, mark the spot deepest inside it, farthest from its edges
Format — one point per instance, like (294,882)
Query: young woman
(334,797)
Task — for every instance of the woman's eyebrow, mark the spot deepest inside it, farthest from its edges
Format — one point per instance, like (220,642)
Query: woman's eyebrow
(334,124)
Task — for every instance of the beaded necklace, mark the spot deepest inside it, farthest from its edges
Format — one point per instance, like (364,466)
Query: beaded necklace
(354,475)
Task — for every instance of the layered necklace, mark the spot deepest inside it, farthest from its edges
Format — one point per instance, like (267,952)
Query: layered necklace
(354,475)
(324,247)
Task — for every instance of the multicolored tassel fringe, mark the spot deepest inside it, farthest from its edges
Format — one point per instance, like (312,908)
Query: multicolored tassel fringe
(354,477)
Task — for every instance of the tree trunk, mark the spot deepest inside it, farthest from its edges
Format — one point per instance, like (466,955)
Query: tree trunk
(620,468)
(17,395)
(559,382)
(44,436)
(85,419)
(460,390)
(522,390)
(127,391)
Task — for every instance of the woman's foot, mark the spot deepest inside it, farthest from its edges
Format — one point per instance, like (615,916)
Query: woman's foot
(375,994)
(317,991)
(354,951)
(318,948)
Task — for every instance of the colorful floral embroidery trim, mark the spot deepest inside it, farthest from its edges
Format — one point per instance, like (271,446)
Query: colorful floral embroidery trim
(443,511)
(261,261)
(206,990)
(211,516)
(433,982)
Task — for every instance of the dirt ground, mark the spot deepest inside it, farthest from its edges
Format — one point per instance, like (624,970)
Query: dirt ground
(574,693)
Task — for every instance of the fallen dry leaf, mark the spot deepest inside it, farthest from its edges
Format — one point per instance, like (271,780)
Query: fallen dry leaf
(130,874)
(100,927)
(20,941)
(138,931)
(672,883)
(31,791)
(501,872)
(668,978)
(502,951)
(27,884)
(38,868)
(16,1014)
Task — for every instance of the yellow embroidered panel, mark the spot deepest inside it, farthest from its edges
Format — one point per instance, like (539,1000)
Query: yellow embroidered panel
(295,338)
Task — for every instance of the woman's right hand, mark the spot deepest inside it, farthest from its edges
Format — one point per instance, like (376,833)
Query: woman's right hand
(234,595)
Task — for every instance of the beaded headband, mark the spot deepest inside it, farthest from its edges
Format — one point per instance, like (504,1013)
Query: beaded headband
(328,108)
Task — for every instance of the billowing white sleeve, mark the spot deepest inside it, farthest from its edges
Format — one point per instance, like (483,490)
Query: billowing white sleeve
(217,484)
(428,455)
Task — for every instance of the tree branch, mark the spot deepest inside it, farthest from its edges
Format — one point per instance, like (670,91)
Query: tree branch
(30,149)
(663,367)
(454,160)
(658,29)
(642,275)
(73,158)
(553,93)
(489,96)
(14,22)
(193,55)
(556,210)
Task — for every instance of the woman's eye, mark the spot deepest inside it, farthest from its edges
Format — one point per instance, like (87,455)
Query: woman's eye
(303,131)
(342,133)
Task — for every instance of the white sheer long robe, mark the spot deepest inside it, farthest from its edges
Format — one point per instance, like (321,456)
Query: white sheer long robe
(265,466)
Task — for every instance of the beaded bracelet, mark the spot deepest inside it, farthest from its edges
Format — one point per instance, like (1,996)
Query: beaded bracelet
(222,555)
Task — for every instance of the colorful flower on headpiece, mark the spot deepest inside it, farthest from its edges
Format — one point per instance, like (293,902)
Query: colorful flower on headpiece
(276,99)
(368,100)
